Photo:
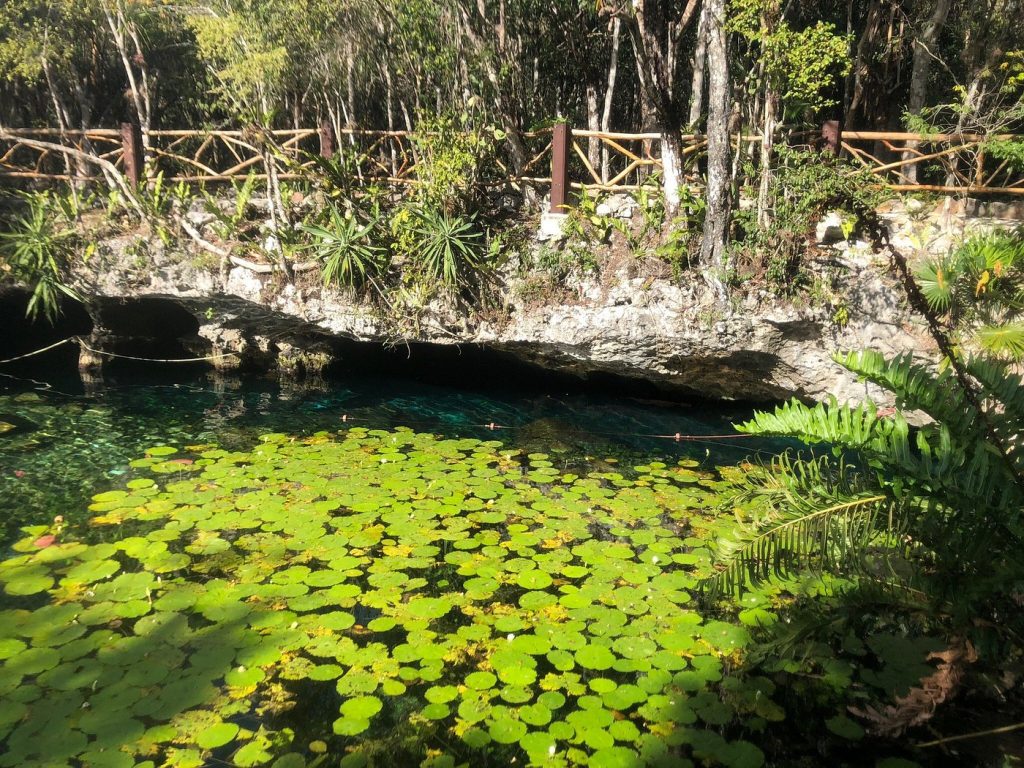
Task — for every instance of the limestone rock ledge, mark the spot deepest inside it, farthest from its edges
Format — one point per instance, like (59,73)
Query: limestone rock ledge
(679,338)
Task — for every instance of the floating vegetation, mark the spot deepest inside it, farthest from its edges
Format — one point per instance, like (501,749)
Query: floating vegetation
(375,596)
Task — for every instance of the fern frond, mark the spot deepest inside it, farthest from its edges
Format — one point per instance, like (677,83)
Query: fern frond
(856,428)
(915,387)
(804,514)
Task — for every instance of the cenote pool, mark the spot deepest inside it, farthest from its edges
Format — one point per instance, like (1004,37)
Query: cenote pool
(235,572)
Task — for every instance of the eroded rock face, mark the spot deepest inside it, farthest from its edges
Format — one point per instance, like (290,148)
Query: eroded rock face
(677,337)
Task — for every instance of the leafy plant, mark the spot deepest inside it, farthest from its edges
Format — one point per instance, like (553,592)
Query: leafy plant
(979,291)
(446,248)
(936,511)
(229,223)
(804,186)
(583,223)
(453,153)
(35,250)
(346,248)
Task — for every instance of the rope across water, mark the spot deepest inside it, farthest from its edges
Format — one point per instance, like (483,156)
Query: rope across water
(678,437)
(83,345)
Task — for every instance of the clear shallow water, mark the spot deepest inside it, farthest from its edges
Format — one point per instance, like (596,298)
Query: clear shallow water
(69,444)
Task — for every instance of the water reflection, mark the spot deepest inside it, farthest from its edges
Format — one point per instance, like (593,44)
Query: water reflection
(68,442)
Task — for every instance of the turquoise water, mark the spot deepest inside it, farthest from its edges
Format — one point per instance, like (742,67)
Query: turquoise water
(69,444)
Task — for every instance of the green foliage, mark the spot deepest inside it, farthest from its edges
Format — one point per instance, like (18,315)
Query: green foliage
(979,289)
(228,224)
(446,248)
(583,224)
(801,65)
(938,508)
(453,154)
(804,186)
(349,250)
(246,57)
(35,249)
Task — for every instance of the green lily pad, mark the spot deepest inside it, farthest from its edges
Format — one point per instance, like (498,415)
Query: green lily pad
(217,735)
(506,730)
(361,707)
(595,657)
(480,680)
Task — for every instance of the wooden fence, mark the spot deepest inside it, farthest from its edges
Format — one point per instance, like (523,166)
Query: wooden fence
(560,158)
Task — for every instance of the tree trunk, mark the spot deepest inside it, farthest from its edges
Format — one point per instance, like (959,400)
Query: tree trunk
(672,168)
(594,124)
(700,54)
(771,104)
(655,41)
(924,45)
(716,217)
(138,87)
(609,95)
(350,87)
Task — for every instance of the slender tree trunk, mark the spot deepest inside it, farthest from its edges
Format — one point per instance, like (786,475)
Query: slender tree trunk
(924,50)
(700,55)
(350,86)
(390,106)
(276,209)
(63,123)
(770,19)
(509,122)
(655,43)
(716,217)
(138,87)
(594,124)
(771,105)
(609,95)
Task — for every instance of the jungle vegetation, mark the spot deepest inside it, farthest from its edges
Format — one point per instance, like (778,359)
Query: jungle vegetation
(897,532)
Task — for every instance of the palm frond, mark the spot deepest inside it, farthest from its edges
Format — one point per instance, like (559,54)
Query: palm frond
(994,252)
(937,280)
(1005,340)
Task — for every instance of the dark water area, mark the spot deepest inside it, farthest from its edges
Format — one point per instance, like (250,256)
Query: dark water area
(64,442)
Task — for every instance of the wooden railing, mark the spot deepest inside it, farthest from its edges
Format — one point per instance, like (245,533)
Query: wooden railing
(951,163)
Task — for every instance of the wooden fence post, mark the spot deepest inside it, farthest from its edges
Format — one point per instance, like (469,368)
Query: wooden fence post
(326,139)
(131,144)
(561,142)
(832,135)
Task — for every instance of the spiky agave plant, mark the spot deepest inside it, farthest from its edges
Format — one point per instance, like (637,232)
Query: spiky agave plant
(937,508)
(347,248)
(449,248)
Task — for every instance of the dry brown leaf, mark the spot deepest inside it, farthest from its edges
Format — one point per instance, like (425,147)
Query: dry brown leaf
(919,705)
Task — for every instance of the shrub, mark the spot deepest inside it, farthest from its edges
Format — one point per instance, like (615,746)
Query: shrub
(452,156)
(805,185)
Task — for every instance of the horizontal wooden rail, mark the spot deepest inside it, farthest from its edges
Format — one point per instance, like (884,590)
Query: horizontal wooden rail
(902,161)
